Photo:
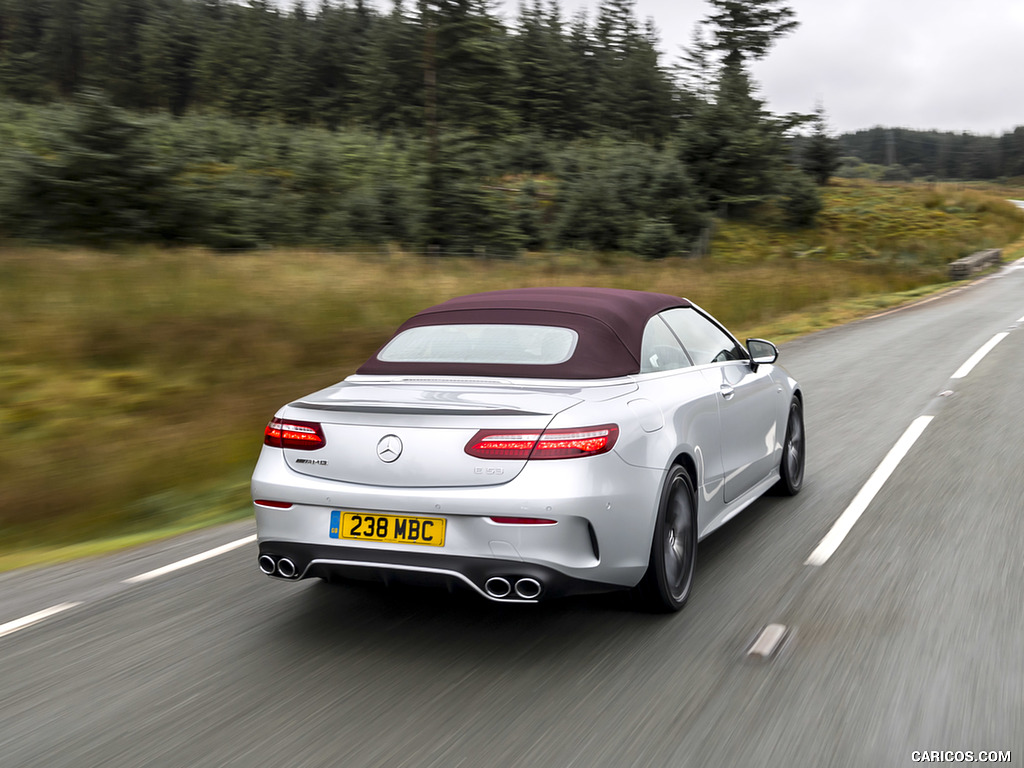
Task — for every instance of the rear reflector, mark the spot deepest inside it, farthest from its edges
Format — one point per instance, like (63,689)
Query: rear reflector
(522,521)
(298,435)
(275,504)
(543,444)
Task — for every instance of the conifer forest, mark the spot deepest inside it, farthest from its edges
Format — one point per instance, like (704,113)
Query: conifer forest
(436,125)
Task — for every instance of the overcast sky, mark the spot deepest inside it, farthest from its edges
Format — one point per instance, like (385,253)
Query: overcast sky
(951,65)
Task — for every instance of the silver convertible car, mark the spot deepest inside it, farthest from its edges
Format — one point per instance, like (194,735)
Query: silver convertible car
(530,444)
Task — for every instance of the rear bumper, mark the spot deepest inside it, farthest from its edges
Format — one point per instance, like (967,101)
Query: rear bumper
(525,582)
(603,509)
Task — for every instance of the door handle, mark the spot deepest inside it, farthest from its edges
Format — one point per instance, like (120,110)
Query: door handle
(727,391)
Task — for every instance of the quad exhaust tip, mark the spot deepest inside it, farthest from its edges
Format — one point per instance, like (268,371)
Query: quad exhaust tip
(528,589)
(500,587)
(497,586)
(283,567)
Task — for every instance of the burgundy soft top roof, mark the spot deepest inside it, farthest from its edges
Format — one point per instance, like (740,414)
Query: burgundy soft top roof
(610,323)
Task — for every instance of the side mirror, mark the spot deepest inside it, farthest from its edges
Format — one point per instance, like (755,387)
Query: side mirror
(761,352)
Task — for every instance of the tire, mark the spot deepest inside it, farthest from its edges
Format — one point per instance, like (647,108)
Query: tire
(666,586)
(794,453)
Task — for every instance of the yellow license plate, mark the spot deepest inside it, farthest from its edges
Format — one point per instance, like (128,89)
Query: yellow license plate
(392,529)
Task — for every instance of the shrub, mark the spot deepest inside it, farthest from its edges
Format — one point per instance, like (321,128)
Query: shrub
(656,239)
(99,182)
(799,199)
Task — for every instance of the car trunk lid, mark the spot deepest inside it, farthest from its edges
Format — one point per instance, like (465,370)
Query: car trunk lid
(414,433)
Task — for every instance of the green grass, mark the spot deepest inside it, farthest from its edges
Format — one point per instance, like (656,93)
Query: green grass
(903,224)
(134,386)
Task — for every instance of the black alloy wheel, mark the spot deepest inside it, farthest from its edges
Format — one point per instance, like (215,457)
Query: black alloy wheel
(666,585)
(794,451)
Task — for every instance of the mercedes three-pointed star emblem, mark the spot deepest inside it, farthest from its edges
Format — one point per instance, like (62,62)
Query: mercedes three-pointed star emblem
(389,448)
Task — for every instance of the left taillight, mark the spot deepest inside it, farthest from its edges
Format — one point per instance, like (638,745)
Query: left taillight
(297,435)
(543,444)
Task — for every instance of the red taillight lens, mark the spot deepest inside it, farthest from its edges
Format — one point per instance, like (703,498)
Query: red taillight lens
(274,504)
(488,444)
(298,435)
(546,444)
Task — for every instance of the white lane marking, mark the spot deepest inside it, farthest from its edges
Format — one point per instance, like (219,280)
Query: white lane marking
(851,515)
(190,560)
(768,641)
(1021,320)
(976,358)
(27,621)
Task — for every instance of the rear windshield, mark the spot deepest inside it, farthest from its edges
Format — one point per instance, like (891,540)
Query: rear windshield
(482,343)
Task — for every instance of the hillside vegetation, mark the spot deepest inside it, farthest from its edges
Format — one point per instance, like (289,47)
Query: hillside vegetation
(438,127)
(134,386)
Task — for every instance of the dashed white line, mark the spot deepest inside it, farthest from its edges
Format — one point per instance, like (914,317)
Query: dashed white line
(768,641)
(27,621)
(977,357)
(190,560)
(851,515)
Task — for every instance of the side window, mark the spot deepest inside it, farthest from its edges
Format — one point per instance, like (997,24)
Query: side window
(702,339)
(660,350)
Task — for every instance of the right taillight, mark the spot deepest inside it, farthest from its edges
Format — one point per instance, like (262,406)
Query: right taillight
(543,444)
(297,435)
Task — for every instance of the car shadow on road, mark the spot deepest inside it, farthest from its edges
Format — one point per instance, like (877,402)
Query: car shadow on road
(409,620)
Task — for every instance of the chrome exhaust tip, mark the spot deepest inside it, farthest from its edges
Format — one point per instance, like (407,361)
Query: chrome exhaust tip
(267,564)
(286,568)
(497,586)
(528,589)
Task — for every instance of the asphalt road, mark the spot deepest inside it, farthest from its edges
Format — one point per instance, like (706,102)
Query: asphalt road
(907,638)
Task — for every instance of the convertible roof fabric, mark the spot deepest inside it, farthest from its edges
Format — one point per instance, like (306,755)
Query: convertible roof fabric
(610,323)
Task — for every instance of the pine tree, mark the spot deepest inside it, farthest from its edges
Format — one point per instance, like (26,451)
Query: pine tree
(583,71)
(745,30)
(213,58)
(23,64)
(392,75)
(614,32)
(471,65)
(564,109)
(112,49)
(820,157)
(237,57)
(292,81)
(336,51)
(695,69)
(634,94)
(170,47)
(534,97)
(732,147)
(62,46)
(650,102)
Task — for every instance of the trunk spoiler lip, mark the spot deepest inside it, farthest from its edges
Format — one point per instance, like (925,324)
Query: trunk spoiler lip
(417,409)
